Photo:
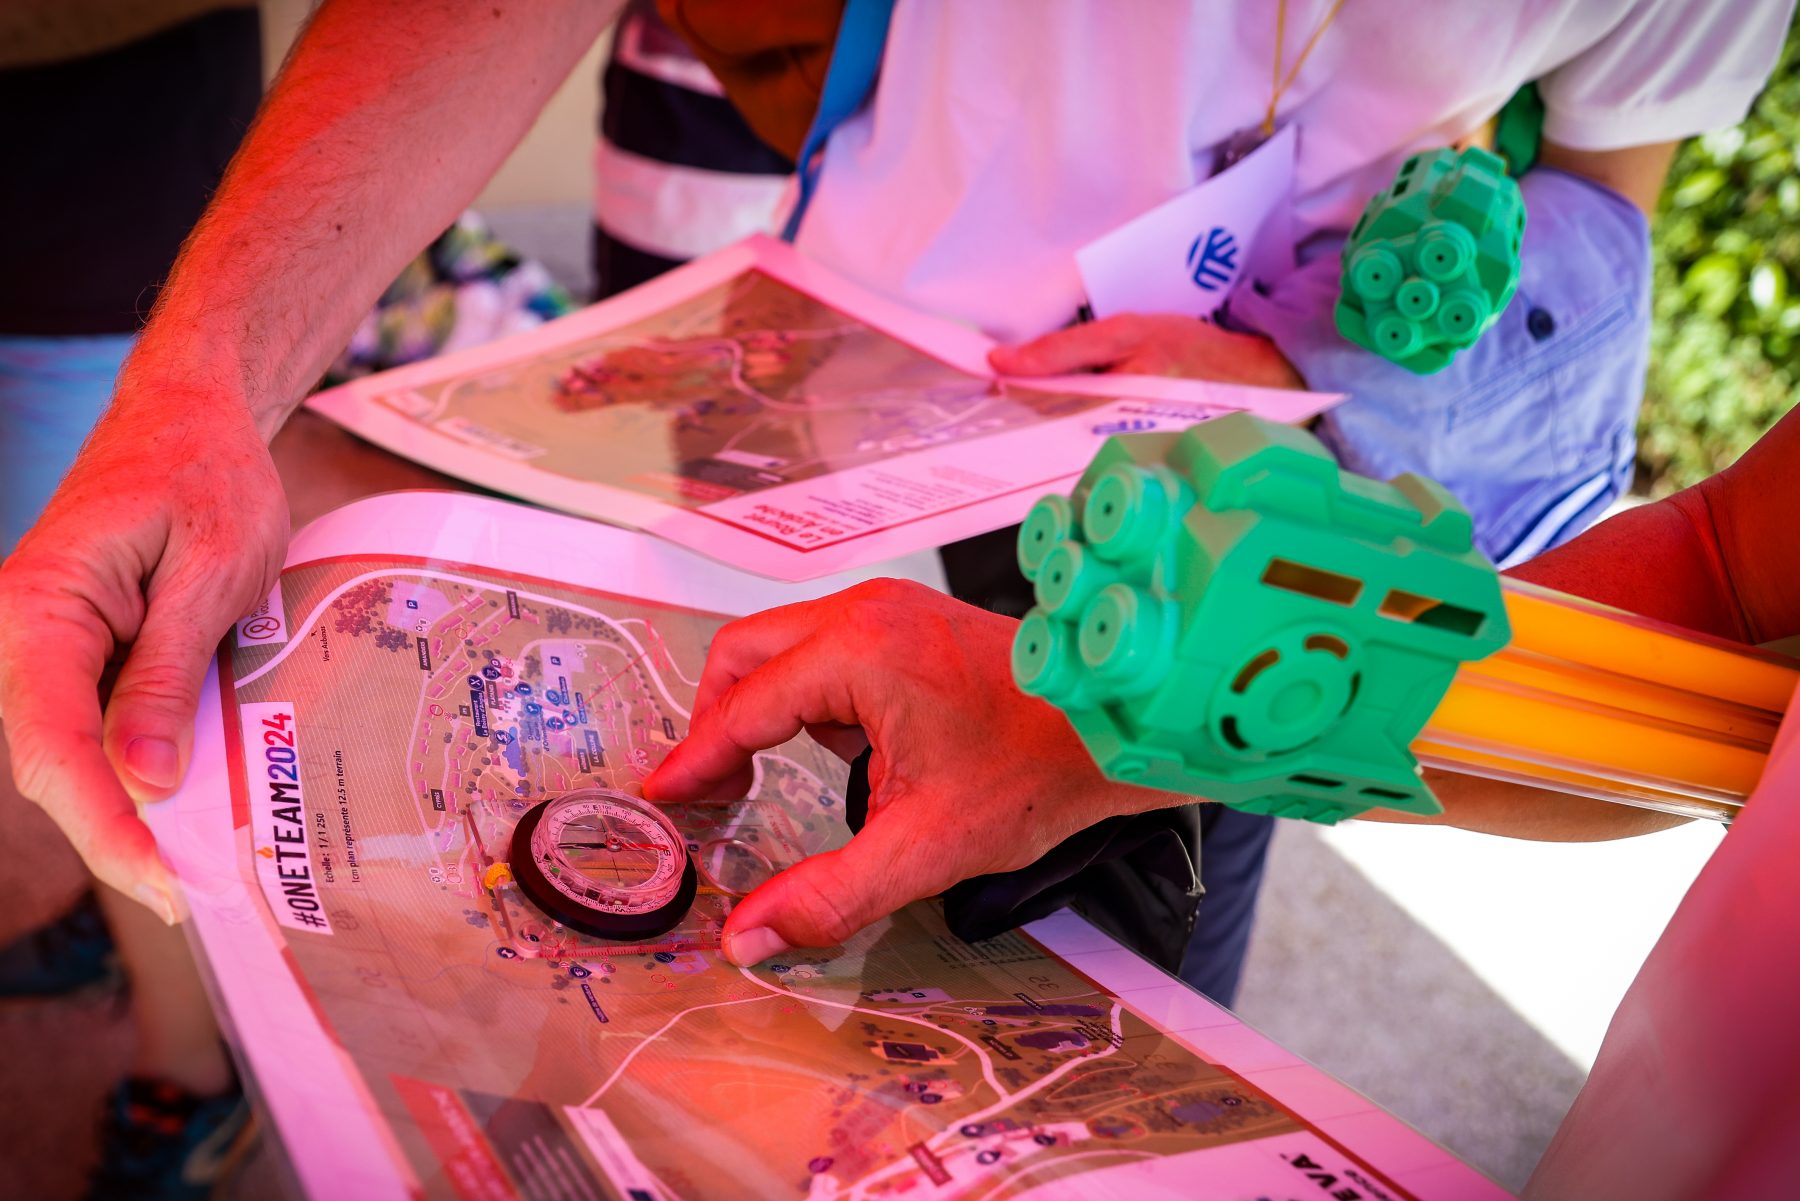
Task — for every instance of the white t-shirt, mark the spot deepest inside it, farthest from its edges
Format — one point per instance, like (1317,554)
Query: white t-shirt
(1696,1093)
(1004,134)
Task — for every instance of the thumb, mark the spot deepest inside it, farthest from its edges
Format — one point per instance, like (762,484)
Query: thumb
(150,716)
(825,899)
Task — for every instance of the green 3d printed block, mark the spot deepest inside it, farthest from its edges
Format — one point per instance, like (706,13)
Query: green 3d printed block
(1433,260)
(1223,612)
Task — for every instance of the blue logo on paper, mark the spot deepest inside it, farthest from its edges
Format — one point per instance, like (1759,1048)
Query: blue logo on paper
(1129,425)
(1213,259)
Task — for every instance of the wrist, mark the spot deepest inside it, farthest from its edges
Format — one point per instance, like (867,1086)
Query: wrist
(181,371)
(186,386)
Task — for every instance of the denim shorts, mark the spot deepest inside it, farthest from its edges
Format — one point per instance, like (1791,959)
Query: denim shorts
(52,390)
(1534,428)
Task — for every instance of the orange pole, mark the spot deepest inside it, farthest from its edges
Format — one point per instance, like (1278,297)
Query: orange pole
(1590,700)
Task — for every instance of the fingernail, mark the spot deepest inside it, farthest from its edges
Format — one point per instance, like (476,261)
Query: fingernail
(157,901)
(747,948)
(155,761)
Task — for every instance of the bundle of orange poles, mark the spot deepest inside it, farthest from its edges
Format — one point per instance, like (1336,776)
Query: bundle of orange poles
(1600,703)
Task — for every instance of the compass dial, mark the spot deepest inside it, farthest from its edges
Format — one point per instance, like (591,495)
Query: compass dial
(604,863)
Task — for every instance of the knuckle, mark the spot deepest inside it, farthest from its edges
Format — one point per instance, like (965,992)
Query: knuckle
(860,629)
(727,717)
(32,576)
(883,590)
(814,897)
(35,766)
(727,640)
(160,686)
(877,608)
(30,773)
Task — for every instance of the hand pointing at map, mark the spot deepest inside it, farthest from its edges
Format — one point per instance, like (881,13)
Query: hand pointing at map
(968,775)
(172,523)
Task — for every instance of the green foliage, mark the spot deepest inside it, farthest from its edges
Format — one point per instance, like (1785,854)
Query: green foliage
(1725,343)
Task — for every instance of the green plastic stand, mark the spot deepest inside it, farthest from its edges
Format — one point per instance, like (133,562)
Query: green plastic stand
(1224,612)
(1434,260)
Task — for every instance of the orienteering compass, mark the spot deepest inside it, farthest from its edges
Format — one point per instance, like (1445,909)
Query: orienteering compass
(604,863)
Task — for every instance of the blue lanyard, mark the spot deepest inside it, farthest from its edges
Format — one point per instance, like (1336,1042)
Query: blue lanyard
(855,58)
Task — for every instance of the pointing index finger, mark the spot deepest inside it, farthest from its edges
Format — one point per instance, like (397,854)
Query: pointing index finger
(801,686)
(745,644)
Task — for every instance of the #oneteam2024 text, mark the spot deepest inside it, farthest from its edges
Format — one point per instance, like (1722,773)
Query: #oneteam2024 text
(278,816)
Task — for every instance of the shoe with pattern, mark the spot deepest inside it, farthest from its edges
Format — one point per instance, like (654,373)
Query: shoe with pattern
(160,1142)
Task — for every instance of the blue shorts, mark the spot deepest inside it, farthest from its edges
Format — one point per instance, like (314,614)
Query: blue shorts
(52,390)
(1534,428)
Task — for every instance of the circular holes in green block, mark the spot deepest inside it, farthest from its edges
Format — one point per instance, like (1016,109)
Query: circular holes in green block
(1125,513)
(1376,272)
(1069,576)
(1445,251)
(1396,336)
(1417,299)
(1462,315)
(1050,521)
(1121,637)
(1043,662)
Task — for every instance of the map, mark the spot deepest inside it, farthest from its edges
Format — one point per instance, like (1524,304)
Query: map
(758,410)
(750,384)
(392,713)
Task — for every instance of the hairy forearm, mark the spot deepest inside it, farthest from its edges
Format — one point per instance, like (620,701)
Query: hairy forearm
(385,121)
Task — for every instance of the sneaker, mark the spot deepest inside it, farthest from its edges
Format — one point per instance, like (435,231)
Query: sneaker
(71,953)
(159,1142)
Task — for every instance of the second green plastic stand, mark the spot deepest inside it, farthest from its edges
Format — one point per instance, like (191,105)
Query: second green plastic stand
(1224,612)
(1434,260)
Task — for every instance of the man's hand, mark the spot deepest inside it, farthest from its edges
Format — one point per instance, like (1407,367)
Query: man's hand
(384,123)
(1137,344)
(170,526)
(969,775)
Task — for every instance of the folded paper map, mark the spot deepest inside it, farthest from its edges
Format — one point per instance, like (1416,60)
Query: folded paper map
(431,666)
(755,408)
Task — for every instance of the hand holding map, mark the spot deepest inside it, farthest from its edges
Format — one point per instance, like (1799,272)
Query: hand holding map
(145,557)
(1152,344)
(969,775)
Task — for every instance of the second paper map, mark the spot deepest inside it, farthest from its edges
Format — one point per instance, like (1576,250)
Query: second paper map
(756,409)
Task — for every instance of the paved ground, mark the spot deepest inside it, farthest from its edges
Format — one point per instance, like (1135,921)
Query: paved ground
(1344,977)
